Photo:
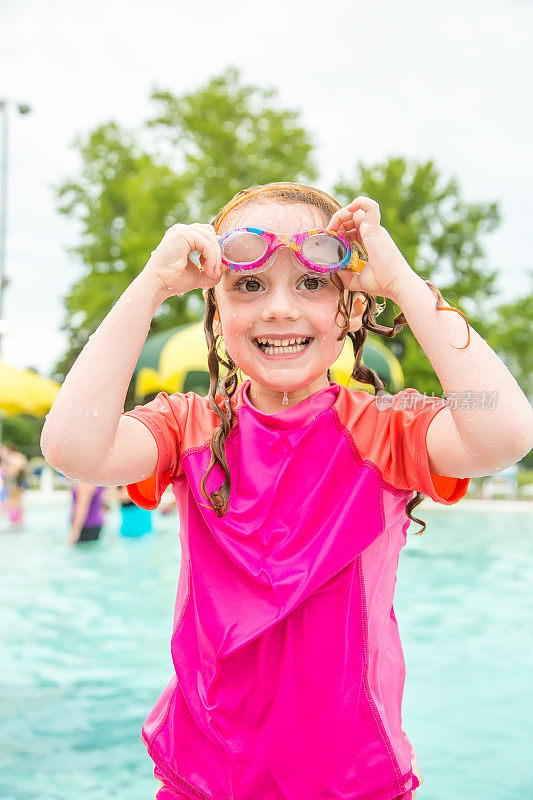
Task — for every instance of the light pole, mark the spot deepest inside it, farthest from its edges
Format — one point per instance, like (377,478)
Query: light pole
(22,108)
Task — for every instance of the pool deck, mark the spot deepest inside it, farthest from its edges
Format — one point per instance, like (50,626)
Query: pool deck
(476,504)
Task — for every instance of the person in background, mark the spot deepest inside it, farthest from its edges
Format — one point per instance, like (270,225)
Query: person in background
(14,470)
(87,515)
(134,521)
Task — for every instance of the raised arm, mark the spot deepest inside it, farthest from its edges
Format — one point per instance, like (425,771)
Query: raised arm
(488,424)
(86,435)
(466,439)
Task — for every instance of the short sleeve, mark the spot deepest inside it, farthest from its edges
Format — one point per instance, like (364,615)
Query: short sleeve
(165,417)
(392,433)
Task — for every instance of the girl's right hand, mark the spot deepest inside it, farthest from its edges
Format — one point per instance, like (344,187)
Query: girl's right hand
(170,266)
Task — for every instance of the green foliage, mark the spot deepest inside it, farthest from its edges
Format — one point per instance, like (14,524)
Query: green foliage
(198,149)
(525,476)
(439,235)
(23,433)
(230,136)
(124,199)
(182,166)
(511,338)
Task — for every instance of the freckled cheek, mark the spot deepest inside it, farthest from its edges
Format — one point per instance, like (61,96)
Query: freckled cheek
(235,326)
(327,332)
(331,348)
(324,323)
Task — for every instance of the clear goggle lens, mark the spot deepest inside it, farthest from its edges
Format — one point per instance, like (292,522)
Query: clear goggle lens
(324,250)
(245,247)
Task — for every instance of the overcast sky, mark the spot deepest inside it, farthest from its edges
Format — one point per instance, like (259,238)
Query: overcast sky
(448,81)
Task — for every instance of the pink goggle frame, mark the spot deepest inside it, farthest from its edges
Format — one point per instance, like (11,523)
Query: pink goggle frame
(351,260)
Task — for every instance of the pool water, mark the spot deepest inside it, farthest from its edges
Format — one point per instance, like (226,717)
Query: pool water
(85,635)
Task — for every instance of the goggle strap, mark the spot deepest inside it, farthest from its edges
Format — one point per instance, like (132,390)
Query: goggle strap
(355,263)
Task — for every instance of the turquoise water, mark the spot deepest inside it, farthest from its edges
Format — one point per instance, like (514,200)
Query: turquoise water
(85,638)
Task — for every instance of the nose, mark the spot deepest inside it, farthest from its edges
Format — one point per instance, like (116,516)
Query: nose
(280,305)
(280,302)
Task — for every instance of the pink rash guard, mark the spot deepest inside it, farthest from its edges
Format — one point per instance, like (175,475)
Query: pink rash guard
(289,671)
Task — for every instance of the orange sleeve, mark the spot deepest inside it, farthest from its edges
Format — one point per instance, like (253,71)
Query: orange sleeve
(165,417)
(391,432)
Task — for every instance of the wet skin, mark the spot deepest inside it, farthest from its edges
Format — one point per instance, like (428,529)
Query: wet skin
(283,302)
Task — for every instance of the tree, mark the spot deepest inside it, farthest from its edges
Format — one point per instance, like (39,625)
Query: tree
(196,151)
(183,165)
(511,338)
(23,432)
(229,136)
(439,235)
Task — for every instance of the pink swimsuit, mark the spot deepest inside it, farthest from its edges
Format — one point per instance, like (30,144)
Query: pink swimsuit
(289,671)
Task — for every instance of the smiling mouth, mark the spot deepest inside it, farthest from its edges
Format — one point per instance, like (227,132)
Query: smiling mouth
(295,347)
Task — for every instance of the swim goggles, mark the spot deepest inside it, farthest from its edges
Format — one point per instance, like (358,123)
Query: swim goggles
(318,250)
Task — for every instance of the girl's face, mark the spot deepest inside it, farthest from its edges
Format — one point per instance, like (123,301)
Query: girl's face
(278,304)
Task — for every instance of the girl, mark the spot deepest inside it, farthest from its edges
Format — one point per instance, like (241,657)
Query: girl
(294,492)
(13,481)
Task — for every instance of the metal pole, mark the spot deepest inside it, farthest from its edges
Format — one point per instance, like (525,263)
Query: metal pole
(23,108)
(3,207)
(3,219)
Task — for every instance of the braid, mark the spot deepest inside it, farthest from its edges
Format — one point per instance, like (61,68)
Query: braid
(219,499)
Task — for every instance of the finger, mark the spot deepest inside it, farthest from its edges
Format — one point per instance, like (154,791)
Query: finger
(347,223)
(178,229)
(351,225)
(355,231)
(206,227)
(350,280)
(358,217)
(334,222)
(205,281)
(199,241)
(370,208)
(210,233)
(350,218)
(338,219)
(208,260)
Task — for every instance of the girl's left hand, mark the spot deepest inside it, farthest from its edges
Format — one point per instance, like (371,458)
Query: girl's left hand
(386,268)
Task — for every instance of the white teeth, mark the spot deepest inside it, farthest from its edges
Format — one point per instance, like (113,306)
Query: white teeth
(281,342)
(281,348)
